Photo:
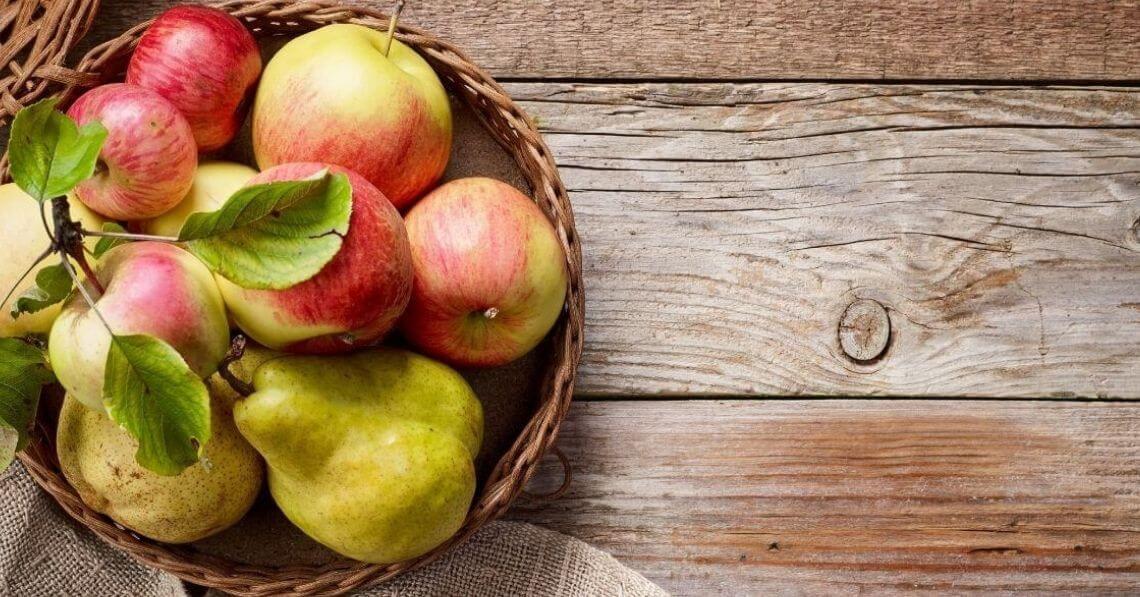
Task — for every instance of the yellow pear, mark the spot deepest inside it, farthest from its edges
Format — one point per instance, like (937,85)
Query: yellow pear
(98,459)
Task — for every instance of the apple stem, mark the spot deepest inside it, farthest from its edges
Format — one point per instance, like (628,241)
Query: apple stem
(237,350)
(87,271)
(392,25)
(129,236)
(83,292)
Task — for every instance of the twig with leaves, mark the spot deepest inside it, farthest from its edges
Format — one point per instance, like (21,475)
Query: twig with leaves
(268,236)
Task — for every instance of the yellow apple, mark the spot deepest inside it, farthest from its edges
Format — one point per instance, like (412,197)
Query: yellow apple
(214,183)
(22,239)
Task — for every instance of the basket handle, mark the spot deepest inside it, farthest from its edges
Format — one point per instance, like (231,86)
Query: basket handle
(567,477)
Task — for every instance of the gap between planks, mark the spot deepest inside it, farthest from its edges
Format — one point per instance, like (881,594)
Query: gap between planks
(745,39)
(742,497)
(727,227)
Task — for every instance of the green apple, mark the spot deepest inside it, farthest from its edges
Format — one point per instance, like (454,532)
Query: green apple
(98,459)
(333,96)
(22,240)
(371,454)
(214,183)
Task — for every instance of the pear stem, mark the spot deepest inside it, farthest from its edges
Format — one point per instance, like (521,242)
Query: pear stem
(237,350)
(392,25)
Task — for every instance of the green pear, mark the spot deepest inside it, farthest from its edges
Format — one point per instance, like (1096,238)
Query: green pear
(371,454)
(98,459)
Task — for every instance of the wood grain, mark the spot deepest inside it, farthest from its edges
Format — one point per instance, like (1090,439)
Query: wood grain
(745,39)
(856,496)
(728,227)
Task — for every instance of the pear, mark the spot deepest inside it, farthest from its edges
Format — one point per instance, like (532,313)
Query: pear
(371,454)
(98,459)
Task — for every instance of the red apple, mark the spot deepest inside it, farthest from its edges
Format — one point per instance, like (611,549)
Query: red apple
(333,95)
(151,288)
(354,301)
(490,273)
(206,63)
(147,163)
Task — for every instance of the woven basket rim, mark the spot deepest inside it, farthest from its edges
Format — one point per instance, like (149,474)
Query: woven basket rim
(517,133)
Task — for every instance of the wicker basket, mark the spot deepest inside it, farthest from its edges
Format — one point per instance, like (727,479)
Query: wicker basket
(512,129)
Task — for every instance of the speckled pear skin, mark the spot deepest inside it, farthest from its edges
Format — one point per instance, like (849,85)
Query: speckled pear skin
(371,454)
(98,459)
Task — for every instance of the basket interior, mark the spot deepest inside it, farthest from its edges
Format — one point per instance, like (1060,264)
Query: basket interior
(523,402)
(509,394)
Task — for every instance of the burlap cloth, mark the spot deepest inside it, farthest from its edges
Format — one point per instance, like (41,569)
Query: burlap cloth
(43,553)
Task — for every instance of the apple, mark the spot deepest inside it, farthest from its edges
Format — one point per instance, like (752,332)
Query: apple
(358,296)
(22,240)
(214,184)
(151,288)
(490,273)
(206,63)
(147,163)
(332,96)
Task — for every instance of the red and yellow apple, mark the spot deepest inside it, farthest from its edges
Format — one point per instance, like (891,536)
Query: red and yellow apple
(151,288)
(214,184)
(147,163)
(332,96)
(206,63)
(490,273)
(22,240)
(354,300)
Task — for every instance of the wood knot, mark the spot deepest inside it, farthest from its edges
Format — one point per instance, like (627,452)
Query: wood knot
(1136,231)
(864,330)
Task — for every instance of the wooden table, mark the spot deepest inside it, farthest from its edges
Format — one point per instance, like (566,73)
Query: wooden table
(863,284)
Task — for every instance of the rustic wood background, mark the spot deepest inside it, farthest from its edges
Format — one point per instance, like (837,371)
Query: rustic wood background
(966,174)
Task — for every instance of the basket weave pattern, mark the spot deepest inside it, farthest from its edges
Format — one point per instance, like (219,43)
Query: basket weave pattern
(513,129)
(37,35)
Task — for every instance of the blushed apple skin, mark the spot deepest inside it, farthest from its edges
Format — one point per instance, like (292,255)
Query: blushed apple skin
(332,96)
(22,239)
(148,159)
(214,184)
(490,274)
(206,63)
(354,301)
(152,288)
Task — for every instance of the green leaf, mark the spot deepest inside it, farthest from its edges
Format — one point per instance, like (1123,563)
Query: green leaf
(151,392)
(106,244)
(52,286)
(275,235)
(23,373)
(49,153)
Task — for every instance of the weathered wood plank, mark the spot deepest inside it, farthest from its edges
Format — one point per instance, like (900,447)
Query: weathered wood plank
(745,39)
(728,227)
(826,496)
